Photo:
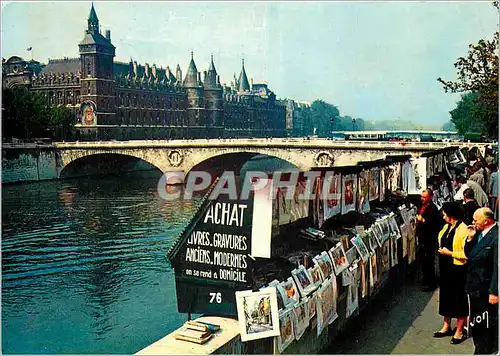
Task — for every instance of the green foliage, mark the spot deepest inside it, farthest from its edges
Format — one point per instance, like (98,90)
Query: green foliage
(26,115)
(471,115)
(478,73)
(324,117)
(448,126)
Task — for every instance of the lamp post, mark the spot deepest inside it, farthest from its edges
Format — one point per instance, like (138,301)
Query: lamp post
(332,120)
(353,124)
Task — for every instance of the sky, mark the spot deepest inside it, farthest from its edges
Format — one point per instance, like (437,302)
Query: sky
(373,60)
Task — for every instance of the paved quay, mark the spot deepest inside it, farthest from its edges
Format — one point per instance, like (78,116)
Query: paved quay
(400,321)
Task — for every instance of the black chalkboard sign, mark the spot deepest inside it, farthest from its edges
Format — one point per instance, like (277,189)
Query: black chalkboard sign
(212,259)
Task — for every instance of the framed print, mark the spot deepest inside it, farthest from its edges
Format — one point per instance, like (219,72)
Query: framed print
(339,258)
(374,189)
(303,281)
(258,315)
(382,185)
(348,277)
(378,233)
(394,251)
(394,227)
(352,300)
(372,241)
(286,336)
(289,292)
(349,192)
(325,264)
(373,270)
(300,319)
(274,284)
(332,185)
(326,306)
(360,246)
(311,304)
(315,274)
(363,192)
(385,256)
(404,240)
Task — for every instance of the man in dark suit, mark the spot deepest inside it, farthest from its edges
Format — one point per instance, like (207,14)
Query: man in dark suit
(469,206)
(429,223)
(481,249)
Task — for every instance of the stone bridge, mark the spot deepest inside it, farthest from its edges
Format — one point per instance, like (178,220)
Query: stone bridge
(184,155)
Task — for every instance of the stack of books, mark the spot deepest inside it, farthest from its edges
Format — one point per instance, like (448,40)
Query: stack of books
(312,234)
(197,331)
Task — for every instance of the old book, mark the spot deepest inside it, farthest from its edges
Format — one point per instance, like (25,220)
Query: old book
(195,326)
(211,327)
(193,333)
(193,339)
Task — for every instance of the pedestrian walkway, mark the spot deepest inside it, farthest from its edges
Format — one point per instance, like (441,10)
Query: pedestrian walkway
(399,322)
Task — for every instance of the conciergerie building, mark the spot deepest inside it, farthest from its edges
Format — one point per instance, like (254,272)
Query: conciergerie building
(117,100)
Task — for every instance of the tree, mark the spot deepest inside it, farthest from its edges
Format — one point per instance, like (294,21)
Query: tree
(27,115)
(478,73)
(470,115)
(325,118)
(448,126)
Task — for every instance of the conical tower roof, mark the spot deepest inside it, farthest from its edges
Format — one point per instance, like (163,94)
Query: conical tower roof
(191,79)
(243,84)
(211,79)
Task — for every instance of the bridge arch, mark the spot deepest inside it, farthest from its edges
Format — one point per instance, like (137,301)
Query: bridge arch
(104,163)
(239,156)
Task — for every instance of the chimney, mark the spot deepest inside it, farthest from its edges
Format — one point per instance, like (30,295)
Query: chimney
(108,35)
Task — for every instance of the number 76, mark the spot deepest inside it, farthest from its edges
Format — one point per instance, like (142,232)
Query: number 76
(217,297)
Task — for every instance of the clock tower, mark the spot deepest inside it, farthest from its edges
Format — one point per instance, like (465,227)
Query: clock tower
(97,82)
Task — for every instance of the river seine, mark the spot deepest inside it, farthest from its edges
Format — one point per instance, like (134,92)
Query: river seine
(84,269)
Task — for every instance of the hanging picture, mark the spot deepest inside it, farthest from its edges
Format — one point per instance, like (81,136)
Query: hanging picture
(335,293)
(257,314)
(274,284)
(385,256)
(351,254)
(311,305)
(373,270)
(332,201)
(419,170)
(394,251)
(347,277)
(383,184)
(363,278)
(363,192)
(289,292)
(315,274)
(349,192)
(286,335)
(284,205)
(339,258)
(384,227)
(404,240)
(393,226)
(412,241)
(372,241)
(318,206)
(352,300)
(405,175)
(303,281)
(325,306)
(374,184)
(378,230)
(325,264)
(300,319)
(360,246)
(299,206)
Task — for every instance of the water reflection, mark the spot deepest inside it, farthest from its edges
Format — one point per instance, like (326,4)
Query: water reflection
(84,267)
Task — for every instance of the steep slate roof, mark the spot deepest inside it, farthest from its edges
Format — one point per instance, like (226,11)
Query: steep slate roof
(65,65)
(211,80)
(191,79)
(243,84)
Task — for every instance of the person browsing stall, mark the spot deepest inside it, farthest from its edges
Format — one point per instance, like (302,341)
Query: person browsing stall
(452,271)
(469,206)
(481,250)
(428,226)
